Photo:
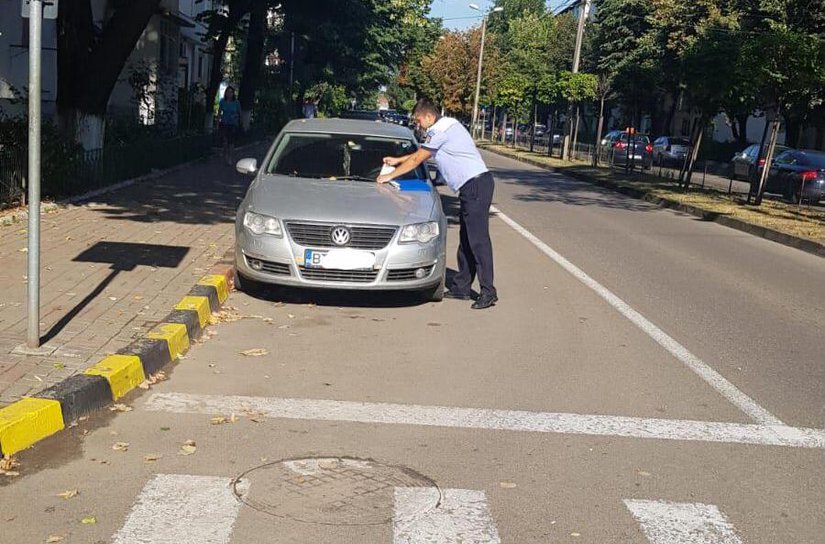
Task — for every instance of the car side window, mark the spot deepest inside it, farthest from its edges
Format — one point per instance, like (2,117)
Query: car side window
(786,158)
(753,151)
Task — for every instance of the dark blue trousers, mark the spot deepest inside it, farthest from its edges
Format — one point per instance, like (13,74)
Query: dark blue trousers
(475,250)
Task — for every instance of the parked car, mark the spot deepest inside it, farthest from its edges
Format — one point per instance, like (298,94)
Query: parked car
(621,149)
(670,150)
(366,115)
(314,215)
(539,132)
(745,166)
(798,175)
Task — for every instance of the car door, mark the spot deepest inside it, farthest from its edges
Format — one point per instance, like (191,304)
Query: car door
(745,160)
(781,172)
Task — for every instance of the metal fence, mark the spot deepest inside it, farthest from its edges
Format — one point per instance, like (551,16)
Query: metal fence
(72,174)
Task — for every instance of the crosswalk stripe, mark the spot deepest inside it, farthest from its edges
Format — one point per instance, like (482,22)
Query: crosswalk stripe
(461,517)
(666,522)
(182,509)
(481,418)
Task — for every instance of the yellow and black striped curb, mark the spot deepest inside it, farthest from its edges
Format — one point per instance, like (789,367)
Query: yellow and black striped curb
(32,419)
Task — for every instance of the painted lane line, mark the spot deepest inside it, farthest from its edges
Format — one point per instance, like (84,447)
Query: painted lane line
(462,517)
(182,509)
(682,523)
(482,418)
(712,377)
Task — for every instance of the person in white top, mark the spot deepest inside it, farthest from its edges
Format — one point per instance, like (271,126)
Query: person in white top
(463,169)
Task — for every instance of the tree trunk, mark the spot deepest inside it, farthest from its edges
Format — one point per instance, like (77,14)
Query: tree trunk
(252,61)
(576,132)
(504,129)
(599,133)
(88,66)
(694,155)
(793,130)
(671,114)
(742,125)
(493,131)
(533,127)
(760,190)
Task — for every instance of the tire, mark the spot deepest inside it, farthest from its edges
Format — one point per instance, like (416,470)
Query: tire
(246,285)
(436,293)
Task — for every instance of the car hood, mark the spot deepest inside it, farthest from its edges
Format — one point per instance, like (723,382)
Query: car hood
(305,199)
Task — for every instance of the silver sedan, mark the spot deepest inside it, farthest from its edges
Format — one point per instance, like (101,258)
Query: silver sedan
(315,217)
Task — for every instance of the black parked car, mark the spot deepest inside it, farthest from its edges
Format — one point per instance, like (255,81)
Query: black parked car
(616,146)
(798,175)
(745,166)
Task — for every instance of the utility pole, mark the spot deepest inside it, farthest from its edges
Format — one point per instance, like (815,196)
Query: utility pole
(480,61)
(291,59)
(576,60)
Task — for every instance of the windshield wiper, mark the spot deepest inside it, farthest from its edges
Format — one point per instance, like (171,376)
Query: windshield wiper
(354,178)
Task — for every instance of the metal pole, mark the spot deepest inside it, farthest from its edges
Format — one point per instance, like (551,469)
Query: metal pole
(291,59)
(577,53)
(478,77)
(33,277)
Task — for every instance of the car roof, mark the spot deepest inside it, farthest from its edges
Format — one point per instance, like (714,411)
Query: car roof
(349,126)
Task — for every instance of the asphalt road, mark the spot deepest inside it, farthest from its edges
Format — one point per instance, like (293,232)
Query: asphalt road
(646,377)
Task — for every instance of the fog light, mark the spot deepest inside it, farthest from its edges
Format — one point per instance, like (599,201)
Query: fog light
(255,264)
(420,273)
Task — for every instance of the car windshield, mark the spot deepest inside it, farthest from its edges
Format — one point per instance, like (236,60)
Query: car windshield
(679,141)
(338,156)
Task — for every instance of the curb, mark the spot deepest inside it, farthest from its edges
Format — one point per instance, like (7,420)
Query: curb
(31,419)
(48,207)
(804,244)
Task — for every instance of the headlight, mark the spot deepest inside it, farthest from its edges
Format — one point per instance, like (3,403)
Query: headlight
(420,232)
(262,224)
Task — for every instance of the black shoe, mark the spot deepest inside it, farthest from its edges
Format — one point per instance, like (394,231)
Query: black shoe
(484,302)
(456,296)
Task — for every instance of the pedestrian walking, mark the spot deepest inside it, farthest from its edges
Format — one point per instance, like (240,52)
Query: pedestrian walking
(462,167)
(229,121)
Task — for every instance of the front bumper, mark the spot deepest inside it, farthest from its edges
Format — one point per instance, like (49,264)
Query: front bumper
(280,261)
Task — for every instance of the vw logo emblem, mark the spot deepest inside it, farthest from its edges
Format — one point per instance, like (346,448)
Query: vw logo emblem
(340,236)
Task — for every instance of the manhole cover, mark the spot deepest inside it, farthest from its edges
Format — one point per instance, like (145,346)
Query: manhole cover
(329,490)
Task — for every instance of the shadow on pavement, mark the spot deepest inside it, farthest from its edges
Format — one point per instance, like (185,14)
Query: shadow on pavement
(123,256)
(554,187)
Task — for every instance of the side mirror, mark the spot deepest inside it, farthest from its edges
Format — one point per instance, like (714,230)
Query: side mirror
(434,174)
(247,167)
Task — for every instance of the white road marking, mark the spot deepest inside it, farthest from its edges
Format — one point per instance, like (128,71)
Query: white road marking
(712,377)
(682,523)
(462,517)
(182,509)
(482,418)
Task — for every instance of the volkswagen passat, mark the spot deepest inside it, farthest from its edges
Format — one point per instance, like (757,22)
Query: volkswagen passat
(315,217)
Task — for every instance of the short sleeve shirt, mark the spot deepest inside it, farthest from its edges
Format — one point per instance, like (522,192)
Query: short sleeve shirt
(230,112)
(454,152)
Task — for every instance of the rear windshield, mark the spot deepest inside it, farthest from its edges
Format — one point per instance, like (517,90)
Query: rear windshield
(638,138)
(815,160)
(679,141)
(313,155)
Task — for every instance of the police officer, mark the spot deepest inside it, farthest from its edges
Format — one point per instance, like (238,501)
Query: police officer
(464,171)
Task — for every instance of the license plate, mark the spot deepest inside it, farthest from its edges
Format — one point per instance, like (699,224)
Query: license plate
(339,259)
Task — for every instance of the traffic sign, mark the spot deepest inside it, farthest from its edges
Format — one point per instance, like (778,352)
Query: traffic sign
(49,8)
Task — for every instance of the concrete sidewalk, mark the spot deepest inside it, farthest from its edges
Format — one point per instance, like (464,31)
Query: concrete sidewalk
(112,268)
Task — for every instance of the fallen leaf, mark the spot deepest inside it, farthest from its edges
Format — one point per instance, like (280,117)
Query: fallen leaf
(290,316)
(120,408)
(120,446)
(151,458)
(138,297)
(256,352)
(23,250)
(331,464)
(59,366)
(53,538)
(8,463)
(69,494)
(508,485)
(113,299)
(10,473)
(188,448)
(279,304)
(165,428)
(91,520)
(575,534)
(643,473)
(158,376)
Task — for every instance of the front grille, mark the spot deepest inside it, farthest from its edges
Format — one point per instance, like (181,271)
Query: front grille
(350,276)
(318,235)
(407,274)
(277,269)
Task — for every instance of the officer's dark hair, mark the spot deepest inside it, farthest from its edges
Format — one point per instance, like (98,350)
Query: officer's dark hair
(425,106)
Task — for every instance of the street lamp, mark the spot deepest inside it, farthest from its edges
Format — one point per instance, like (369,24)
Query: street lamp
(481,58)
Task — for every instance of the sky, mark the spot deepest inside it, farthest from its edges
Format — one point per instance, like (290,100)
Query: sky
(465,17)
